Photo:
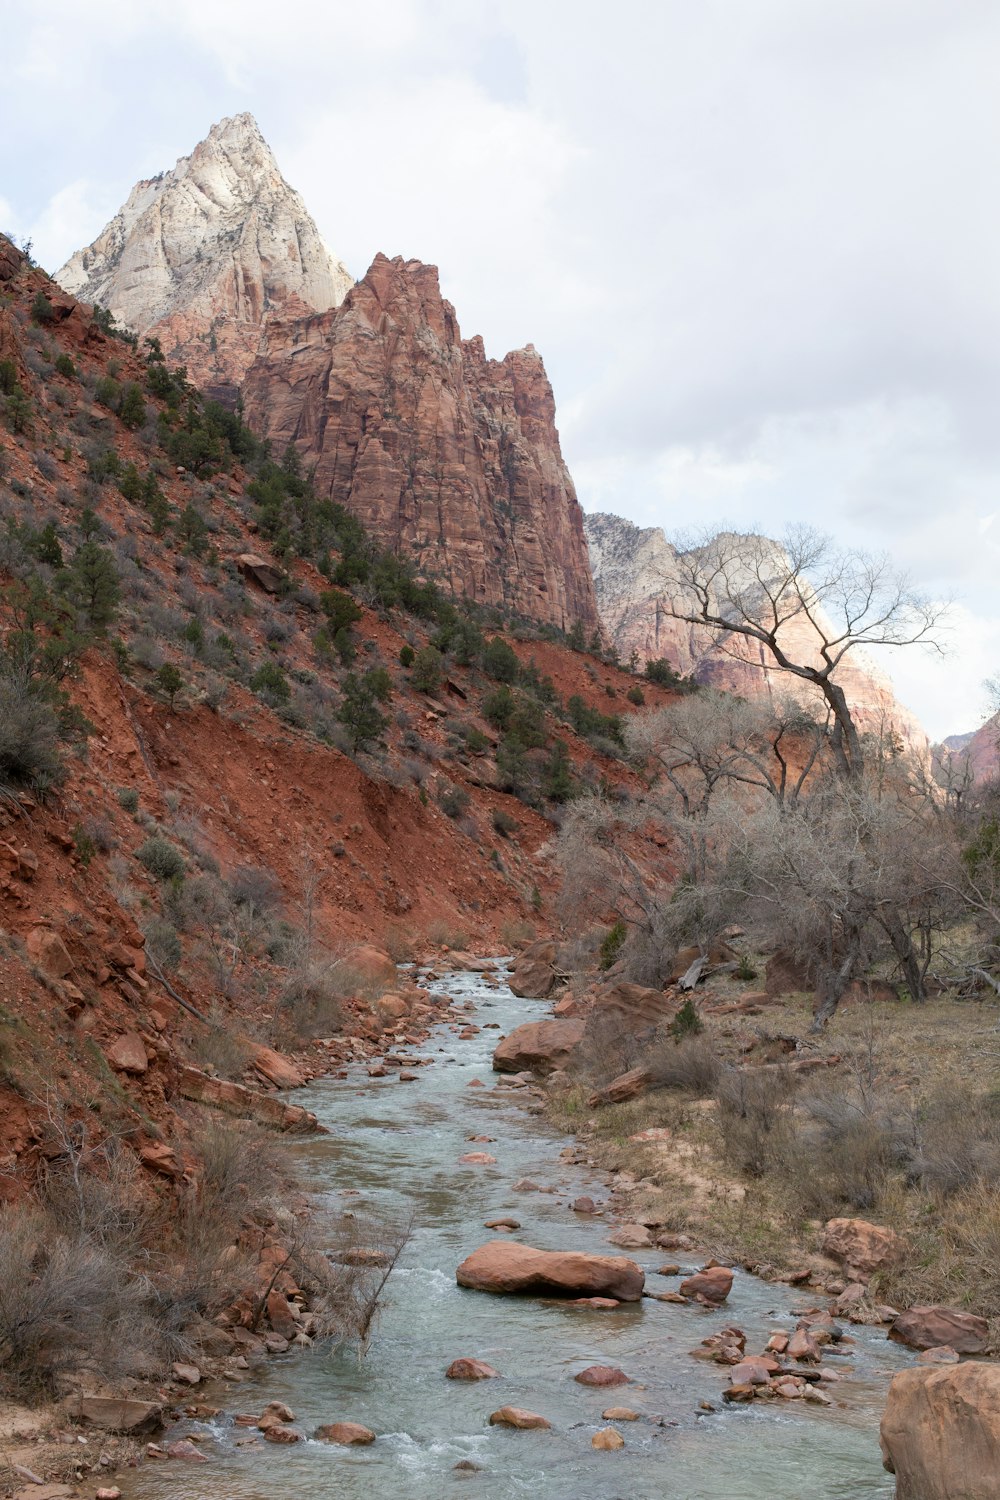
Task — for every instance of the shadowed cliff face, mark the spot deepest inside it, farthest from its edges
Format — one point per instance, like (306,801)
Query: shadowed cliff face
(202,254)
(630,568)
(444,454)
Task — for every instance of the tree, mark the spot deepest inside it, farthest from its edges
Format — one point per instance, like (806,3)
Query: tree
(169,681)
(359,712)
(427,674)
(132,408)
(500,660)
(93,584)
(806,605)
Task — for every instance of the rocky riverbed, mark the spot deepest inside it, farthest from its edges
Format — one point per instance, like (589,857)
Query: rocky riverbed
(455,1149)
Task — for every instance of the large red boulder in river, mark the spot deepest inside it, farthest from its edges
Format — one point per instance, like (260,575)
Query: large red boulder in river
(941,1433)
(504,1267)
(538,1047)
(862,1246)
(930,1327)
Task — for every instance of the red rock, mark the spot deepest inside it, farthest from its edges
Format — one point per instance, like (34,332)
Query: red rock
(625,1086)
(803,1346)
(595,1302)
(631,1237)
(275,1412)
(503,1267)
(752,1371)
(158,1157)
(128,1054)
(280,1316)
(470,1369)
(463,437)
(607,1440)
(584,1206)
(49,952)
(276,1069)
(478,1159)
(602,1375)
(504,1223)
(943,1354)
(516,1416)
(634,1007)
(538,1046)
(347,1434)
(276,1433)
(930,1327)
(712,1285)
(940,1433)
(861,1246)
(182,1448)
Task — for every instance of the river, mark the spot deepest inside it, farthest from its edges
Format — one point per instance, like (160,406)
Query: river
(393,1149)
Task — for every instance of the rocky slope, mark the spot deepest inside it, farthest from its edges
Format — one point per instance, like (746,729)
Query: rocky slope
(202,254)
(445,455)
(630,565)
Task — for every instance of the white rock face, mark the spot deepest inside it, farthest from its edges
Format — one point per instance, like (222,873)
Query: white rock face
(631,565)
(202,254)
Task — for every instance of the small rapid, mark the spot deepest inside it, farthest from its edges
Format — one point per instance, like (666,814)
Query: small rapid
(393,1152)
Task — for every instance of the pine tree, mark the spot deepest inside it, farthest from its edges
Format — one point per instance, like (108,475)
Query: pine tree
(93,584)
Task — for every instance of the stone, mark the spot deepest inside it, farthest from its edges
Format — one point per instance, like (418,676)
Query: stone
(752,1370)
(214,246)
(185,1449)
(108,1494)
(347,1434)
(943,1354)
(863,1247)
(278,1433)
(803,1346)
(626,1086)
(598,1303)
(275,1413)
(516,1416)
(465,438)
(471,1369)
(929,1327)
(538,1047)
(584,1206)
(280,1315)
(237,1099)
(478,1159)
(276,1069)
(631,1237)
(607,1439)
(940,1433)
(116,1414)
(620,1414)
(187,1374)
(370,965)
(505,1267)
(711,1285)
(158,1157)
(504,1223)
(49,952)
(602,1375)
(634,1007)
(533,976)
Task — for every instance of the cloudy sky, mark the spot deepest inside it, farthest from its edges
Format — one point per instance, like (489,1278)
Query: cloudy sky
(757,241)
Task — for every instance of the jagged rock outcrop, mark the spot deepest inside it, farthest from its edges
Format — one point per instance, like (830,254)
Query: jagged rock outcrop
(445,455)
(631,567)
(201,255)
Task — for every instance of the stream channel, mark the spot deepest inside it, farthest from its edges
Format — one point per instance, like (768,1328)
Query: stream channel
(393,1149)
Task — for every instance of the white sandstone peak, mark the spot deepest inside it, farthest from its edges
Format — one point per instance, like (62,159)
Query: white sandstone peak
(202,254)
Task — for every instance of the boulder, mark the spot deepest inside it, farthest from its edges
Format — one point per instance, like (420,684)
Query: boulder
(861,1246)
(478,1159)
(608,1439)
(347,1434)
(620,1414)
(49,952)
(538,1047)
(278,1433)
(114,1414)
(264,574)
(507,1268)
(471,1369)
(584,1205)
(930,1327)
(941,1433)
(602,1375)
(533,977)
(128,1054)
(516,1416)
(786,975)
(185,1449)
(625,1086)
(631,1237)
(276,1069)
(186,1373)
(275,1413)
(712,1285)
(371,966)
(634,1007)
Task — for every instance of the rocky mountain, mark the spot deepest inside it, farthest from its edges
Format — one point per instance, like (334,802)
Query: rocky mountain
(203,254)
(630,564)
(976,753)
(444,454)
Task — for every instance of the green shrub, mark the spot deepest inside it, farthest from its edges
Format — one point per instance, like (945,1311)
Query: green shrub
(611,946)
(427,674)
(270,683)
(169,681)
(128,798)
(65,366)
(687,1021)
(406,656)
(161,858)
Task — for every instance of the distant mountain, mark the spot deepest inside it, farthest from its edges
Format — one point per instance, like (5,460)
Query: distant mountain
(203,254)
(630,565)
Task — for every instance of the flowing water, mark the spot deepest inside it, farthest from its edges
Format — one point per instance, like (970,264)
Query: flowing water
(393,1150)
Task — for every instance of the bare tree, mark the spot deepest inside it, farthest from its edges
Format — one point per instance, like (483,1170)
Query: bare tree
(805,605)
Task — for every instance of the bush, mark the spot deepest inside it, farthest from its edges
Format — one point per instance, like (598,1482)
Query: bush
(270,683)
(636,695)
(42,310)
(427,673)
(29,731)
(687,1021)
(161,858)
(128,798)
(406,656)
(65,366)
(453,801)
(611,946)
(690,1065)
(169,681)
(754,1117)
(503,823)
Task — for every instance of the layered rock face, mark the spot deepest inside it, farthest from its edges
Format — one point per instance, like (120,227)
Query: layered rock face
(631,566)
(203,254)
(445,455)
